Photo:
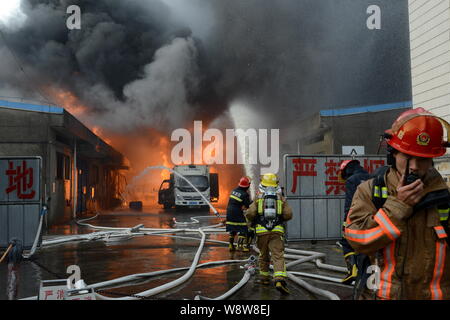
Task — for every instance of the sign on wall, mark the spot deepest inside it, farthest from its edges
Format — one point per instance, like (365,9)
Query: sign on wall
(353,150)
(20,199)
(316,195)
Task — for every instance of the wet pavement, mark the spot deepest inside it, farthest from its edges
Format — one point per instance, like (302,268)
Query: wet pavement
(101,261)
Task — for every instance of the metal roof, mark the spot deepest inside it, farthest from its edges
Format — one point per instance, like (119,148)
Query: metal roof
(365,109)
(31,107)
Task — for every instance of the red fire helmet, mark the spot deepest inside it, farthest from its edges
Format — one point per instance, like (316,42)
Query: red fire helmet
(344,164)
(419,133)
(244,182)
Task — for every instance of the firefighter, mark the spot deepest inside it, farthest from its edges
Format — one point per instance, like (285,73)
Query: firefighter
(236,223)
(268,213)
(353,174)
(400,219)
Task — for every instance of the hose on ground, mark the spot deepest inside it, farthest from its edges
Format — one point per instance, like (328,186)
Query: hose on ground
(171,284)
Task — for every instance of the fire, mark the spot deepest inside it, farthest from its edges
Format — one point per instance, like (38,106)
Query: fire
(148,147)
(68,101)
(99,132)
(164,142)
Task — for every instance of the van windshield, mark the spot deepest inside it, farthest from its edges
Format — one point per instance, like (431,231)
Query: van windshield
(200,182)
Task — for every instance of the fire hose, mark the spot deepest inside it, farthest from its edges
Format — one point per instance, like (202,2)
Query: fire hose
(250,270)
(307,286)
(247,274)
(140,276)
(139,230)
(171,284)
(312,257)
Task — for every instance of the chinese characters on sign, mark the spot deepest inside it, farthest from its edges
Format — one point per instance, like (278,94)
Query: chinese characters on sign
(302,168)
(307,167)
(332,181)
(54,294)
(372,165)
(20,180)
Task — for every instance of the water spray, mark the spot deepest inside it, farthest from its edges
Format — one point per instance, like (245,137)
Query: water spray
(145,171)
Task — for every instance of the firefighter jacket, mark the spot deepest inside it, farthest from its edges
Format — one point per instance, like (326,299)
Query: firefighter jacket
(255,218)
(358,176)
(239,199)
(408,244)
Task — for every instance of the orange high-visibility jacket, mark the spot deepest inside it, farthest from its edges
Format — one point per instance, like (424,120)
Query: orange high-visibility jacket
(410,248)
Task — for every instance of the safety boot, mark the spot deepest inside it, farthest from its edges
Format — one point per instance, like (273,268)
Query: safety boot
(352,270)
(240,245)
(264,280)
(281,286)
(248,243)
(231,245)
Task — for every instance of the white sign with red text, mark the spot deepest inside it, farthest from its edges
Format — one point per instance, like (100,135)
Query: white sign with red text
(317,195)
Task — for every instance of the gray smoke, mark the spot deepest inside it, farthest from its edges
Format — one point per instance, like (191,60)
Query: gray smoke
(131,63)
(164,63)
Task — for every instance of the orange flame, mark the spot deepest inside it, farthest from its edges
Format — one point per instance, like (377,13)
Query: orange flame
(149,147)
(68,101)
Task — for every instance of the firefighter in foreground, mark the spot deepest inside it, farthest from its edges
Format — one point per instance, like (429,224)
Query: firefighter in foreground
(400,219)
(353,174)
(236,223)
(268,213)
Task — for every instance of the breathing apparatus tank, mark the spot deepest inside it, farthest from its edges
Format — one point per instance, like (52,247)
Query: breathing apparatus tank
(270,206)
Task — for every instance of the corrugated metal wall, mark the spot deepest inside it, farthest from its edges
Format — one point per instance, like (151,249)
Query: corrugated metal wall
(20,199)
(316,195)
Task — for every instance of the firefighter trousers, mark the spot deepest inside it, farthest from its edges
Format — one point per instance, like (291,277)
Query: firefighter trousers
(271,245)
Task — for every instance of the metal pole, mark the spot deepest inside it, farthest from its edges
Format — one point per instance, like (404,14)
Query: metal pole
(75,180)
(6,253)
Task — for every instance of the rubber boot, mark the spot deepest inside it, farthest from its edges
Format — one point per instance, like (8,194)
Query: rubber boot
(246,245)
(352,273)
(281,286)
(240,245)
(231,246)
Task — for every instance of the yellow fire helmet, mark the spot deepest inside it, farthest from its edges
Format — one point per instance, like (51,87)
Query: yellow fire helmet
(269,180)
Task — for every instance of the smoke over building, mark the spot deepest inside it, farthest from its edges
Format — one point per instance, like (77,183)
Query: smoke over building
(155,65)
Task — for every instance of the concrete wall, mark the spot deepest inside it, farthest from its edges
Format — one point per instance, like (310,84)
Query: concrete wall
(430,55)
(30,133)
(362,129)
(321,147)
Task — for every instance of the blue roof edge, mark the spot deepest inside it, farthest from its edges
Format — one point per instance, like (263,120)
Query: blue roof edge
(30,107)
(364,109)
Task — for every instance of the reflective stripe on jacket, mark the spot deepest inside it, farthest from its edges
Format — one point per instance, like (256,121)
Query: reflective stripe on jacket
(239,199)
(252,214)
(410,248)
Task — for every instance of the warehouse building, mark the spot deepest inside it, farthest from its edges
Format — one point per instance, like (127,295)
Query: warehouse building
(80,172)
(339,131)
